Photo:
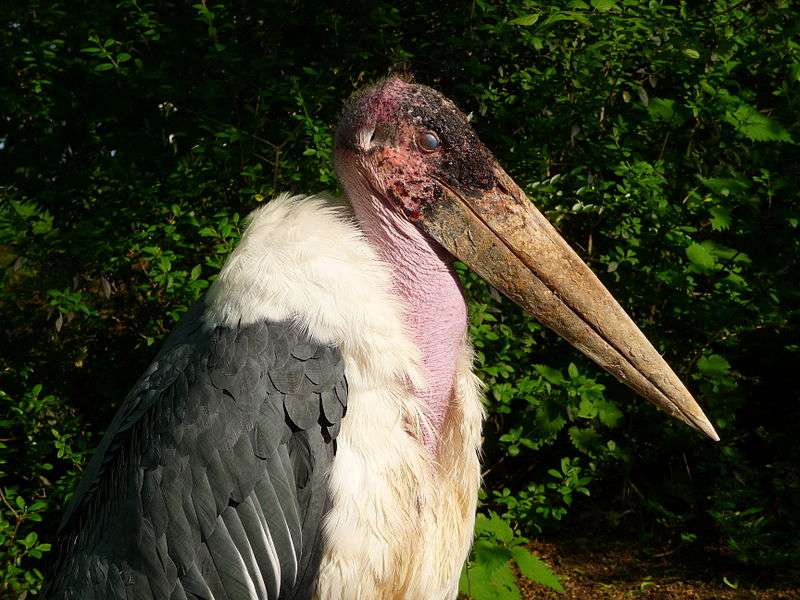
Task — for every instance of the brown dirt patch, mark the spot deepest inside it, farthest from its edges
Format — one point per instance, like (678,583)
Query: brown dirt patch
(591,567)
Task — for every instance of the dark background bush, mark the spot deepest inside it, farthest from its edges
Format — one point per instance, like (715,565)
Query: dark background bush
(660,137)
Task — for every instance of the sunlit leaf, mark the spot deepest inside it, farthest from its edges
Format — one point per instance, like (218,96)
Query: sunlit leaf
(494,526)
(495,581)
(536,569)
(701,257)
(552,375)
(608,413)
(725,186)
(566,16)
(603,5)
(713,364)
(661,108)
(756,126)
(526,20)
(586,440)
(720,218)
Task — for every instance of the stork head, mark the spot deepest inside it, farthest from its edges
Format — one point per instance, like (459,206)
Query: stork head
(414,155)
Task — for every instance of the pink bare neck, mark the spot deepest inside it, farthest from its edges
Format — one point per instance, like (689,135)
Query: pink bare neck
(435,312)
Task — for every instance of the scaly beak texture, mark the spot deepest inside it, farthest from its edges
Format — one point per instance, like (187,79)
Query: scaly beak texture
(503,238)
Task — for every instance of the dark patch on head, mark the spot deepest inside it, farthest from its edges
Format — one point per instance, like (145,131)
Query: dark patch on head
(464,162)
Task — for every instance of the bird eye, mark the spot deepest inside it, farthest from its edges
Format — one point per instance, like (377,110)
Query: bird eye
(428,141)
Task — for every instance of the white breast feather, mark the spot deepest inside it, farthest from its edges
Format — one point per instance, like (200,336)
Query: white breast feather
(400,524)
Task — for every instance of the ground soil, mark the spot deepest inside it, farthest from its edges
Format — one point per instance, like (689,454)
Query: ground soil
(605,567)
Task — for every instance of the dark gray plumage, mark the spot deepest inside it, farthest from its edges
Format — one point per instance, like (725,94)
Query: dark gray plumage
(210,482)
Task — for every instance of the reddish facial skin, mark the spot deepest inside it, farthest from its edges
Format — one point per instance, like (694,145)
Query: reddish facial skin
(395,162)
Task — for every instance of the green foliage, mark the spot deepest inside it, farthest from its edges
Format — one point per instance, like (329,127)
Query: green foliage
(659,137)
(41,434)
(15,548)
(756,126)
(489,575)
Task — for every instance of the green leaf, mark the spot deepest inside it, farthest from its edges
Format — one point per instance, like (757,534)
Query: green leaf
(756,126)
(725,186)
(726,253)
(104,67)
(489,576)
(603,5)
(494,526)
(597,46)
(608,413)
(713,364)
(550,374)
(535,569)
(587,408)
(566,16)
(705,256)
(691,53)
(526,20)
(484,582)
(661,109)
(720,218)
(123,57)
(700,256)
(43,224)
(491,554)
(548,421)
(587,440)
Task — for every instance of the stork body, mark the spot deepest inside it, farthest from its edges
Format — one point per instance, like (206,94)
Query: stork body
(380,515)
(312,428)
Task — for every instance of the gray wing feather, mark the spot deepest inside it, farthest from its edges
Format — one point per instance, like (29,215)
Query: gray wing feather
(211,482)
(241,539)
(279,531)
(264,553)
(229,563)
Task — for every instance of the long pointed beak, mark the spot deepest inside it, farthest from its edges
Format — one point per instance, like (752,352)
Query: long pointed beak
(501,236)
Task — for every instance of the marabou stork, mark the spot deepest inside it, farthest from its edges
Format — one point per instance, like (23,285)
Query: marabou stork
(312,427)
